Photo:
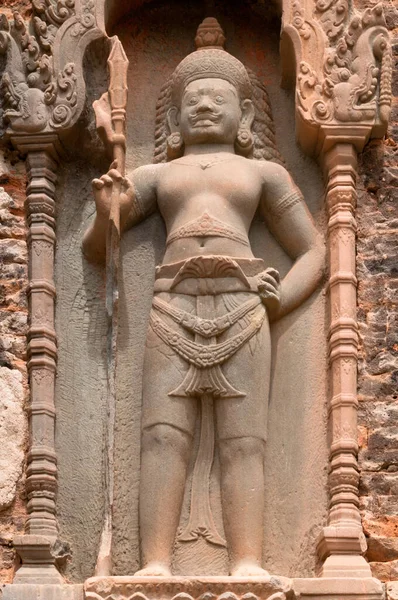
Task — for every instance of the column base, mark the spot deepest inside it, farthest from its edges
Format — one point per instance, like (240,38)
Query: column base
(189,588)
(29,591)
(354,588)
(341,549)
(38,561)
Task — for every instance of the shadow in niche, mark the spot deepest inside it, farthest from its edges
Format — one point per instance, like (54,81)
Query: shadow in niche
(156,37)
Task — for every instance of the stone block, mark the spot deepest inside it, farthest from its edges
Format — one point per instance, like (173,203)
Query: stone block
(12,433)
(382,549)
(189,588)
(392,590)
(338,589)
(42,592)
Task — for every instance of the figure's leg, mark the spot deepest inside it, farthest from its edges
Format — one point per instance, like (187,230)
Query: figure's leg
(168,425)
(164,458)
(241,427)
(242,485)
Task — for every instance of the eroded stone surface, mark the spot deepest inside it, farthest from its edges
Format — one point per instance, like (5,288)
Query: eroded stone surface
(186,588)
(392,590)
(12,433)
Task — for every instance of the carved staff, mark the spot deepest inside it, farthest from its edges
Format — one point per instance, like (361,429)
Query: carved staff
(117,98)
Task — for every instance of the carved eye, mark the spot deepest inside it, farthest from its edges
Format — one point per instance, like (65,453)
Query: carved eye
(193,100)
(219,99)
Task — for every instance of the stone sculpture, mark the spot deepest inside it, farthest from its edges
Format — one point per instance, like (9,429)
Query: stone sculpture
(208,342)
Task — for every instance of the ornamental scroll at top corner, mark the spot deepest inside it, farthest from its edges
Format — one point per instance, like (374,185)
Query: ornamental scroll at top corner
(42,87)
(349,80)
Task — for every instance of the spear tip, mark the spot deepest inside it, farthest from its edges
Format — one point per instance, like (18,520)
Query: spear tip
(117,53)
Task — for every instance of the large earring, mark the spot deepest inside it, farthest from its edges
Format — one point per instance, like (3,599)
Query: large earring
(174,145)
(244,141)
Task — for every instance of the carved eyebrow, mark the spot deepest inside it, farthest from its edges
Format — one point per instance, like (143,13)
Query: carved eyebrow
(219,91)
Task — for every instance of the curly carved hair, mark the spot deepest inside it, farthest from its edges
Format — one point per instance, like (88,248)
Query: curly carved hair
(263,130)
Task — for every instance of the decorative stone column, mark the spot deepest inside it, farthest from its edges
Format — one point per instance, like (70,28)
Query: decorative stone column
(35,548)
(342,542)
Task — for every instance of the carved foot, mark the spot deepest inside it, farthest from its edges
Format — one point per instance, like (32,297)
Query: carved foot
(248,569)
(154,569)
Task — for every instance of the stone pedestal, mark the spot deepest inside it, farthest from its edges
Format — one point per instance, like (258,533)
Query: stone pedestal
(336,588)
(189,588)
(29,591)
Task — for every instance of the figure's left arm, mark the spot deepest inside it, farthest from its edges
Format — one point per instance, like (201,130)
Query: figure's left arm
(291,223)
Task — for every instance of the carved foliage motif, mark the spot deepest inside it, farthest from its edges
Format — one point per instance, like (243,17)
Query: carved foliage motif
(354,83)
(274,588)
(36,97)
(333,14)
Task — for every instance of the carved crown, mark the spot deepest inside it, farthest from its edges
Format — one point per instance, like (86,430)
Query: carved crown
(210,60)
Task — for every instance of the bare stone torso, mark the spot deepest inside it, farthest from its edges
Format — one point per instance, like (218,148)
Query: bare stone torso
(224,187)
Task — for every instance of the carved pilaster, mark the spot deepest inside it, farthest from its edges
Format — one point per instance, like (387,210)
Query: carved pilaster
(35,548)
(342,542)
(41,481)
(343,68)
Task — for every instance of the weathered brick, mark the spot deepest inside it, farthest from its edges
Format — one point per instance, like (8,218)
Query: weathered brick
(382,549)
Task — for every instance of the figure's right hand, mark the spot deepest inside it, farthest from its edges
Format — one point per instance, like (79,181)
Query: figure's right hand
(103,189)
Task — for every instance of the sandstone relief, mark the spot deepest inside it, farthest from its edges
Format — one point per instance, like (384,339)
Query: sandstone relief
(209,362)
(208,341)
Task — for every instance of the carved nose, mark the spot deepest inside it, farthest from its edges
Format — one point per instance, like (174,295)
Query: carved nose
(204,104)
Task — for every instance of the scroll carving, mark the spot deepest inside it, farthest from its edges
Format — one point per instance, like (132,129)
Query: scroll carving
(39,93)
(344,71)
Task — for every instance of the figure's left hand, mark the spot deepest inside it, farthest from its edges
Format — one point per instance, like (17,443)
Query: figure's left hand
(269,288)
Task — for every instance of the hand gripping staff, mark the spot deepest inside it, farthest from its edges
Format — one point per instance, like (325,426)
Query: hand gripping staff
(117,98)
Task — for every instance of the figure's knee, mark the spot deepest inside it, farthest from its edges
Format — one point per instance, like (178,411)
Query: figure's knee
(164,438)
(242,449)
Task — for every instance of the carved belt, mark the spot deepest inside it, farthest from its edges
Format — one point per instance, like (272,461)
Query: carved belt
(206,276)
(209,276)
(207,226)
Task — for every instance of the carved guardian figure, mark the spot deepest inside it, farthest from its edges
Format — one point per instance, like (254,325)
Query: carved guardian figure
(208,344)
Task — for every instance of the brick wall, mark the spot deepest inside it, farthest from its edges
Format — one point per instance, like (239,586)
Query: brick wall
(13,373)
(377,271)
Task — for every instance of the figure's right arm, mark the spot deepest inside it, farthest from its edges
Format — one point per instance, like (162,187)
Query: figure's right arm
(137,201)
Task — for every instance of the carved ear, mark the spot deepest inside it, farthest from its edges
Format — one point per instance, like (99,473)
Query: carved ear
(247,117)
(173,121)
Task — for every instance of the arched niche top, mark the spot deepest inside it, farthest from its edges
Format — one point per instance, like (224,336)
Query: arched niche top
(110,12)
(339,60)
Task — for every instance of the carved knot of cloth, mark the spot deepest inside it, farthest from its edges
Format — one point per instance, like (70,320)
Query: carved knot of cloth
(207,226)
(204,354)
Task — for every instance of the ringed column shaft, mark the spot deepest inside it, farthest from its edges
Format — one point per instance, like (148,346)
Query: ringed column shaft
(41,481)
(343,535)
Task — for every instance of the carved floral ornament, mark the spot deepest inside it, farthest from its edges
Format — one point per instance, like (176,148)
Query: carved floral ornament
(42,87)
(343,61)
(344,67)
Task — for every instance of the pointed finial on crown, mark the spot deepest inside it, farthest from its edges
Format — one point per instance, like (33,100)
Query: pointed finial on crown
(210,61)
(210,35)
